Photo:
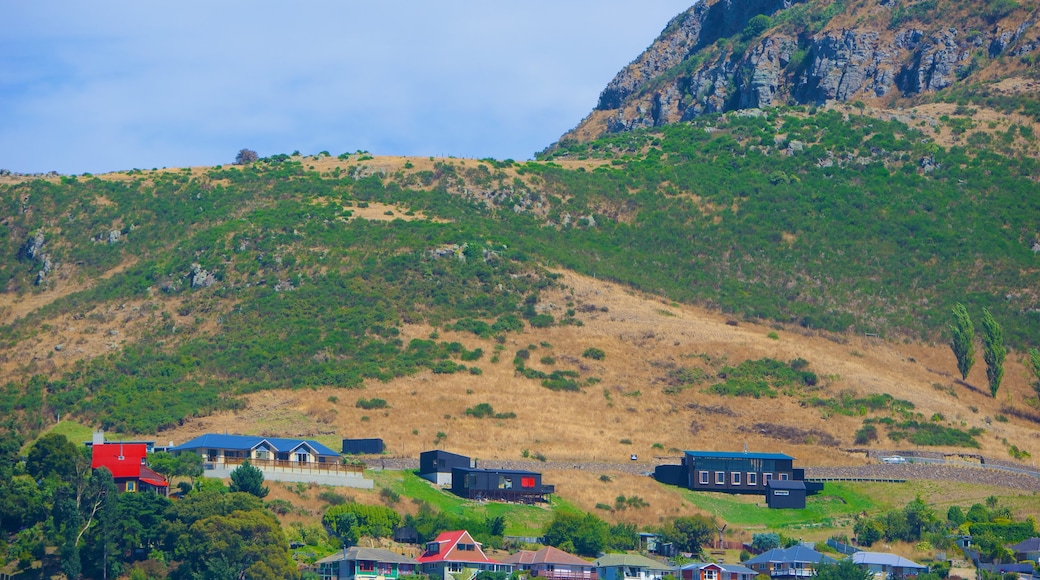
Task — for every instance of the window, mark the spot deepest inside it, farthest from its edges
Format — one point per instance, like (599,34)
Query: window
(455,566)
(720,478)
(131,486)
(527,482)
(302,458)
(505,482)
(783,477)
(366,566)
(735,478)
(766,477)
(704,478)
(711,574)
(261,454)
(752,478)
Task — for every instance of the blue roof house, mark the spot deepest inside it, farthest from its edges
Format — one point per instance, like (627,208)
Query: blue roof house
(888,566)
(279,459)
(797,561)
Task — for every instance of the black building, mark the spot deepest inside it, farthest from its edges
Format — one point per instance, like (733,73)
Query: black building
(363,446)
(436,465)
(785,494)
(733,472)
(499,485)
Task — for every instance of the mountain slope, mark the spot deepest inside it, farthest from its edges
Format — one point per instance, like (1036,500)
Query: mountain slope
(725,55)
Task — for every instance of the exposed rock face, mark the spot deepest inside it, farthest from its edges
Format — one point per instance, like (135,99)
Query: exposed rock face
(708,59)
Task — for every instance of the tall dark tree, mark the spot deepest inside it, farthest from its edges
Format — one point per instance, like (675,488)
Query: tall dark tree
(248,479)
(53,455)
(962,339)
(245,157)
(243,544)
(993,350)
(1034,364)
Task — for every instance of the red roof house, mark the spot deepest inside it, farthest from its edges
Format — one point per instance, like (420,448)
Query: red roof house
(552,564)
(455,552)
(126,461)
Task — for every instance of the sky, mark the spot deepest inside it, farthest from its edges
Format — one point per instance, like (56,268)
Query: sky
(109,85)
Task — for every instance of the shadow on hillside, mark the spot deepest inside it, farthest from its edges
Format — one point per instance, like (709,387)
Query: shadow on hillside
(971,387)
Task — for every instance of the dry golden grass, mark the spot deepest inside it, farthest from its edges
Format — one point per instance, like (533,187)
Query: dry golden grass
(641,337)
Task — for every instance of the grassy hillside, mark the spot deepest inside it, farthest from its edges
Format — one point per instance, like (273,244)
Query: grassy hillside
(439,285)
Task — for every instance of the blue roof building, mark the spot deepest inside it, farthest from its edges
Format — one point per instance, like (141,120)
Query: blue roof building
(888,566)
(797,561)
(279,458)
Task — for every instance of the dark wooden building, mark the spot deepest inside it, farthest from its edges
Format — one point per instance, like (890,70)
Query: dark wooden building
(499,485)
(436,465)
(785,494)
(733,472)
(363,446)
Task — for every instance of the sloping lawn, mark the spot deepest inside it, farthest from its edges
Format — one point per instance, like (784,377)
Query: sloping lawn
(832,507)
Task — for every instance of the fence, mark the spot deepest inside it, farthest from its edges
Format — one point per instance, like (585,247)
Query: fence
(299,466)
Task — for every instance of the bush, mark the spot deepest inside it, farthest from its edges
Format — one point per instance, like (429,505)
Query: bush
(594,353)
(373,403)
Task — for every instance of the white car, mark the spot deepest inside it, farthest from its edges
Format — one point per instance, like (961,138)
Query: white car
(893,459)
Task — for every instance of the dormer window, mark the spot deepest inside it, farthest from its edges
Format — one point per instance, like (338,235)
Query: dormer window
(433,547)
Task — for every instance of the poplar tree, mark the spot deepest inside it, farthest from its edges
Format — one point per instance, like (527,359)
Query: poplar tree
(993,350)
(963,340)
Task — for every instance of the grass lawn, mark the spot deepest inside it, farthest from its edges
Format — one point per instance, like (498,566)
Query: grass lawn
(73,431)
(834,507)
(521,520)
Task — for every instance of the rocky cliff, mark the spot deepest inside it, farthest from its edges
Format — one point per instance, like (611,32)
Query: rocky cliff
(722,55)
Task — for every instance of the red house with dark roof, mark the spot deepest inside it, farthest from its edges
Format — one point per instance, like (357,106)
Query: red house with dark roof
(126,461)
(455,552)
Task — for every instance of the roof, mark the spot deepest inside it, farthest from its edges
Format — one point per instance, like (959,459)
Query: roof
(1030,545)
(245,442)
(152,478)
(785,484)
(449,553)
(482,470)
(634,560)
(737,455)
(369,554)
(547,555)
(797,553)
(122,459)
(885,559)
(732,568)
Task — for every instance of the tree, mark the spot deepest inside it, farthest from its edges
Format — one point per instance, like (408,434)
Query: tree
(844,569)
(963,340)
(689,533)
(868,531)
(242,544)
(246,156)
(249,479)
(53,454)
(993,350)
(1034,363)
(765,541)
(585,534)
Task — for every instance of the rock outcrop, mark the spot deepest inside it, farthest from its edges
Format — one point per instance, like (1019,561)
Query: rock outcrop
(722,55)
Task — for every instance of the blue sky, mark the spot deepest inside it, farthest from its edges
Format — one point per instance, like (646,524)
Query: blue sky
(104,86)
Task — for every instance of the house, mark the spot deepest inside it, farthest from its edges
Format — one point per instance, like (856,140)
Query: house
(363,446)
(499,484)
(279,459)
(436,465)
(798,561)
(1027,550)
(126,461)
(714,571)
(358,563)
(886,566)
(551,563)
(785,494)
(736,472)
(630,567)
(457,556)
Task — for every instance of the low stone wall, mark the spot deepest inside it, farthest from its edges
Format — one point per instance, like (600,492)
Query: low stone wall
(321,478)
